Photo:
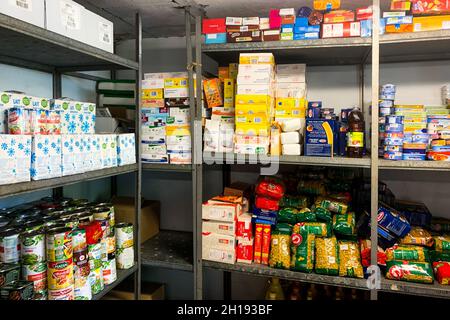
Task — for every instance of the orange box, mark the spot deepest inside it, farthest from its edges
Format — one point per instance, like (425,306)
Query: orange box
(322,5)
(339,16)
(430,7)
(213,92)
(224,72)
(400,5)
(265,244)
(258,243)
(431,23)
(287,20)
(399,28)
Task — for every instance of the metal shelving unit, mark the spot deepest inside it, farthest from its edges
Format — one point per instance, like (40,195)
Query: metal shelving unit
(28,46)
(166,167)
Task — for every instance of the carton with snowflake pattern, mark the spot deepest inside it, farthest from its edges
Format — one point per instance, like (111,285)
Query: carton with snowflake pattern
(23,158)
(88,122)
(68,154)
(126,152)
(8,150)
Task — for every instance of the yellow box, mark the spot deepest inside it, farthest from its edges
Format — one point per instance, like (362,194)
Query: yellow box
(175,83)
(252,129)
(233,70)
(256,118)
(224,73)
(148,94)
(408,106)
(431,23)
(254,99)
(228,92)
(290,112)
(275,140)
(257,58)
(178,131)
(291,103)
(249,109)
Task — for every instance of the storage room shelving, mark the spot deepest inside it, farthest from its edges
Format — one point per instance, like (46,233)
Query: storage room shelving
(27,46)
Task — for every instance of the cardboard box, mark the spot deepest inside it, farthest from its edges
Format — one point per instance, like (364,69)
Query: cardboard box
(244,227)
(252,129)
(257,58)
(323,5)
(272,35)
(239,189)
(365,13)
(319,137)
(399,28)
(287,28)
(224,73)
(233,21)
(400,5)
(339,30)
(155,158)
(152,94)
(215,38)
(399,20)
(290,90)
(306,36)
(124,209)
(67,18)
(153,83)
(244,250)
(216,240)
(255,89)
(149,291)
(339,16)
(306,29)
(242,28)
(219,227)
(219,254)
(221,209)
(264,24)
(431,23)
(250,21)
(290,103)
(430,7)
(180,158)
(244,36)
(99,31)
(247,99)
(31,11)
(213,26)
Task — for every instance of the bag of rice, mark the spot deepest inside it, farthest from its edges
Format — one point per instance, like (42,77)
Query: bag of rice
(280,256)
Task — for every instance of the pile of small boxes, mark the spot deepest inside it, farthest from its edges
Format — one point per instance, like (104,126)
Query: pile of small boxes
(165,125)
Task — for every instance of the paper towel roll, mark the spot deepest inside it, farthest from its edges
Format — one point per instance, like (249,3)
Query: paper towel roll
(290,137)
(292,149)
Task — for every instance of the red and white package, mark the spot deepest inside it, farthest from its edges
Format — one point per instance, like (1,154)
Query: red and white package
(244,226)
(341,30)
(244,250)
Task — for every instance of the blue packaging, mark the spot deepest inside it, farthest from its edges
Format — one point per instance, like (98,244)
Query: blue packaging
(414,157)
(441,148)
(215,38)
(287,28)
(303,12)
(399,20)
(264,216)
(386,103)
(366,27)
(301,21)
(415,212)
(417,138)
(342,138)
(315,104)
(387,92)
(306,36)
(306,29)
(319,137)
(393,155)
(396,148)
(385,111)
(313,113)
(393,141)
(393,221)
(393,128)
(394,119)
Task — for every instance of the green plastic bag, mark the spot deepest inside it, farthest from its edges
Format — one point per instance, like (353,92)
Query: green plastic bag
(305,215)
(320,229)
(287,215)
(322,214)
(294,201)
(410,271)
(302,251)
(344,223)
(436,256)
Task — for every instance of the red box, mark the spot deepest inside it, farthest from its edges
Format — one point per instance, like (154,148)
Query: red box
(258,242)
(430,7)
(244,226)
(364,13)
(341,30)
(244,250)
(214,26)
(265,244)
(400,5)
(274,19)
(339,16)
(287,20)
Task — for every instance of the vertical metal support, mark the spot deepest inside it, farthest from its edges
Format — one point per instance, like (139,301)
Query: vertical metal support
(138,195)
(113,76)
(361,85)
(57,93)
(374,137)
(226,179)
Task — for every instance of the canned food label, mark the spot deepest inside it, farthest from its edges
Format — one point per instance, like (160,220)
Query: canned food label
(111,244)
(125,258)
(33,249)
(60,274)
(9,249)
(37,274)
(95,251)
(80,258)
(124,237)
(61,294)
(83,289)
(109,271)
(79,240)
(59,246)
(81,272)
(96,280)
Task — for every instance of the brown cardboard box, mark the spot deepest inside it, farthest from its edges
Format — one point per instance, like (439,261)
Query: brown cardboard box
(240,189)
(247,36)
(150,211)
(150,291)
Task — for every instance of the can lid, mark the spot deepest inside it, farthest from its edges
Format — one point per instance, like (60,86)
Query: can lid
(123,225)
(31,233)
(9,231)
(58,229)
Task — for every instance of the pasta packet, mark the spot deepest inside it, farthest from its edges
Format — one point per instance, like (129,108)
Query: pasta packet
(280,247)
(420,272)
(327,256)
(350,260)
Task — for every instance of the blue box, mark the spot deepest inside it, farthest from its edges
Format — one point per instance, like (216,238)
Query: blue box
(393,221)
(306,29)
(301,22)
(399,20)
(366,27)
(287,28)
(319,137)
(264,216)
(315,104)
(306,36)
(215,38)
(313,113)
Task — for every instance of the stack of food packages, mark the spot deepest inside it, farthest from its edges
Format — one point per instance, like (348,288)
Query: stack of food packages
(412,132)
(254,104)
(61,250)
(166,136)
(414,243)
(290,109)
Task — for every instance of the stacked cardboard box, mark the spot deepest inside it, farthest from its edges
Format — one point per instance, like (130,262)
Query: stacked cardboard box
(290,105)
(254,103)
(15,158)
(126,149)
(46,157)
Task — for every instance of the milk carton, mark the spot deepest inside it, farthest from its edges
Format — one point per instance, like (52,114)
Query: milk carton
(54,159)
(88,121)
(126,152)
(10,100)
(113,149)
(71,115)
(23,158)
(95,151)
(68,154)
(40,157)
(79,154)
(7,159)
(108,150)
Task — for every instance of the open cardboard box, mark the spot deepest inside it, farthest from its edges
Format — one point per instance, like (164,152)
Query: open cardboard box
(149,291)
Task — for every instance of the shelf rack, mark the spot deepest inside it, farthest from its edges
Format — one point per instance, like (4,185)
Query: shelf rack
(27,46)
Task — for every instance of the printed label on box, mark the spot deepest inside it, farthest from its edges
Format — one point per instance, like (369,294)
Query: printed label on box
(70,15)
(104,32)
(22,4)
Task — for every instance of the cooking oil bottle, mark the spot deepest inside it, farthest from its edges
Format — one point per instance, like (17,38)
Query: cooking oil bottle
(275,292)
(355,134)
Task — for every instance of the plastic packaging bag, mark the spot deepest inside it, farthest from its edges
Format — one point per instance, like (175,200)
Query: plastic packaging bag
(442,271)
(418,236)
(311,187)
(320,229)
(365,247)
(407,253)
(302,250)
(350,260)
(322,214)
(266,203)
(436,256)
(327,256)
(280,247)
(270,188)
(420,272)
(294,201)
(332,205)
(344,223)
(442,243)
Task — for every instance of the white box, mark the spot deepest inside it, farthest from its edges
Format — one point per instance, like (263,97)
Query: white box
(289,73)
(153,83)
(287,12)
(31,11)
(254,78)
(159,149)
(92,152)
(178,148)
(46,157)
(211,136)
(233,21)
(264,24)
(255,89)
(176,92)
(250,69)
(226,137)
(66,17)
(219,227)
(88,118)
(178,116)
(99,31)
(153,135)
(23,158)
(290,90)
(126,150)
(251,148)
(7,159)
(79,155)
(68,154)
(155,158)
(180,158)
(180,140)
(219,255)
(292,149)
(290,137)
(250,21)
(216,240)
(71,113)
(108,150)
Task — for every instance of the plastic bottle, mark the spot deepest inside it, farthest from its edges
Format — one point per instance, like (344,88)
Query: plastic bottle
(355,134)
(275,292)
(295,292)
(339,294)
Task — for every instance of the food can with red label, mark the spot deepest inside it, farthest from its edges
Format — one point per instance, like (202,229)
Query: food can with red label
(59,244)
(61,294)
(109,271)
(60,274)
(36,273)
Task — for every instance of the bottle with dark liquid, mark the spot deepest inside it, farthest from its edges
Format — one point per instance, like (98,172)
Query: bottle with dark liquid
(355,134)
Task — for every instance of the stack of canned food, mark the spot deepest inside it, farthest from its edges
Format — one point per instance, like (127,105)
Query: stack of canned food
(61,250)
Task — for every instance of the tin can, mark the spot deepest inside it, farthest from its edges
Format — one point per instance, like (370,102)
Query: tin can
(386,103)
(60,274)
(102,213)
(82,289)
(96,280)
(95,251)
(59,244)
(387,92)
(9,273)
(81,272)
(19,290)
(78,202)
(124,235)
(61,294)
(109,271)
(79,239)
(32,247)
(111,244)
(34,225)
(112,214)
(36,273)
(125,258)
(104,250)
(80,258)
(394,119)
(69,222)
(41,295)
(388,155)
(4,221)
(9,245)
(106,230)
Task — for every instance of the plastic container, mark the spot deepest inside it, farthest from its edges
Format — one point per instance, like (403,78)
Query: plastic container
(355,135)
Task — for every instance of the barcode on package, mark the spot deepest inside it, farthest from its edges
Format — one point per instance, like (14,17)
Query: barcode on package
(23,4)
(105,33)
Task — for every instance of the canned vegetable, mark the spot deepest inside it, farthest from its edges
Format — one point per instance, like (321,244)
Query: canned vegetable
(60,274)
(124,235)
(32,247)
(9,245)
(59,244)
